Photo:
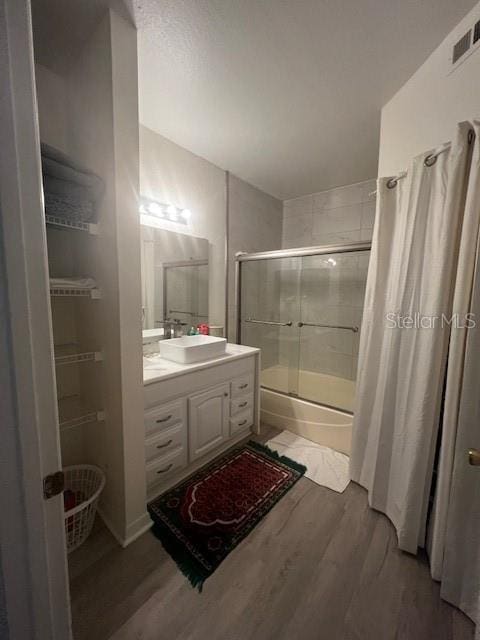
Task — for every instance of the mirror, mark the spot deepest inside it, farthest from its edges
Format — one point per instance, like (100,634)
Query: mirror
(174,278)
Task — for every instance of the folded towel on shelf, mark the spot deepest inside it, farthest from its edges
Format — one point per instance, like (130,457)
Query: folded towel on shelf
(71,190)
(72,283)
(68,207)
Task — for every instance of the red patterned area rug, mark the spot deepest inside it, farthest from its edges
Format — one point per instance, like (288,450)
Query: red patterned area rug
(204,518)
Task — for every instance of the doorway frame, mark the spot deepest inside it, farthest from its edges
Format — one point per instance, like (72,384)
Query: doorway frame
(34,573)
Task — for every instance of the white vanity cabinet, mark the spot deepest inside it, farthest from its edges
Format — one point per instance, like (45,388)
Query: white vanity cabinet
(208,420)
(195,412)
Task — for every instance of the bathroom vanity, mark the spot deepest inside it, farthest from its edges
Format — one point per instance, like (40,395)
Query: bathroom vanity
(193,412)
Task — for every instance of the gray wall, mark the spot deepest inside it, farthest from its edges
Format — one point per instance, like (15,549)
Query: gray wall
(255,224)
(345,214)
(330,295)
(173,175)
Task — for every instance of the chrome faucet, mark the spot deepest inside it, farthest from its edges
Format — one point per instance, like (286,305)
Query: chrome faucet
(172,328)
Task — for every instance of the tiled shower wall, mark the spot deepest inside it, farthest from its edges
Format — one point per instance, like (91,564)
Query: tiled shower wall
(336,216)
(330,295)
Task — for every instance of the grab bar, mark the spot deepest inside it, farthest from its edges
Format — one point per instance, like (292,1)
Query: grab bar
(188,313)
(328,326)
(277,324)
(303,324)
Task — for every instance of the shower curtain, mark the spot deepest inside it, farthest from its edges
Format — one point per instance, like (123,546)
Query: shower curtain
(421,272)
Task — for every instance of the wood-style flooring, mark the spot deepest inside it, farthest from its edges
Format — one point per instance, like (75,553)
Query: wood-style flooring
(320,566)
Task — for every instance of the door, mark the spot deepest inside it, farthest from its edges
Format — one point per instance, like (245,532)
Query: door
(269,312)
(332,292)
(33,570)
(461,565)
(305,313)
(208,417)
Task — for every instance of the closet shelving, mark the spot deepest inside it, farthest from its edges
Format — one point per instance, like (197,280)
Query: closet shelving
(73,224)
(66,292)
(71,354)
(74,412)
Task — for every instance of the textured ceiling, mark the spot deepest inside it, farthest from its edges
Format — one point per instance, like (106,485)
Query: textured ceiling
(286,94)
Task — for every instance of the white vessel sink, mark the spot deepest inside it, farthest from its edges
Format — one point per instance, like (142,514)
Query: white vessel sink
(152,335)
(190,349)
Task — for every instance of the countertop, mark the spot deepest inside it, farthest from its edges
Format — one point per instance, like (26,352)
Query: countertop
(160,369)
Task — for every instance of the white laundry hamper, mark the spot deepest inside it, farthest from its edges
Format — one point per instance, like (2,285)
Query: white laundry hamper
(86,483)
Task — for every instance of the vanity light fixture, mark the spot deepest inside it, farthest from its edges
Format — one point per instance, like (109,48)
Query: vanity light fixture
(154,209)
(148,207)
(172,213)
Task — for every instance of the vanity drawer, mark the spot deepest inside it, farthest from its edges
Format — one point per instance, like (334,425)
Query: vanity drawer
(241,386)
(241,403)
(164,442)
(162,417)
(163,468)
(241,421)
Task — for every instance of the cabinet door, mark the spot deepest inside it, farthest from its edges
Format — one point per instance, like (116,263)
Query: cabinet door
(208,418)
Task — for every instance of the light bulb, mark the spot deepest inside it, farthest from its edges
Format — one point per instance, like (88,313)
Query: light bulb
(172,212)
(154,208)
(186,213)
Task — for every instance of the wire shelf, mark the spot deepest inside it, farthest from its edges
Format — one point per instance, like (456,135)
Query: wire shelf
(75,293)
(65,354)
(73,224)
(73,413)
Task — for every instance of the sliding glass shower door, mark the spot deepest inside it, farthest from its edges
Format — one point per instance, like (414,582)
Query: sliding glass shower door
(270,304)
(305,314)
(332,292)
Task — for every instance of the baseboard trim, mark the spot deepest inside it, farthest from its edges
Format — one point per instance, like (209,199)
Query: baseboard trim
(139,526)
(107,522)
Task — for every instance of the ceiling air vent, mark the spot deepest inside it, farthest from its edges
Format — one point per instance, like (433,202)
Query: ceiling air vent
(461,47)
(476,32)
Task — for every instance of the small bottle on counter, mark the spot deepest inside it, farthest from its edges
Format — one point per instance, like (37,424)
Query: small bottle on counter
(203,329)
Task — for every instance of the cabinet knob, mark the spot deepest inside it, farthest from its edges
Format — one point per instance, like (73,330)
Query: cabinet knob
(226,395)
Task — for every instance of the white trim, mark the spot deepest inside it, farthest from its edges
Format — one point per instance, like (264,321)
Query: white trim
(140,526)
(108,523)
(257,412)
(36,590)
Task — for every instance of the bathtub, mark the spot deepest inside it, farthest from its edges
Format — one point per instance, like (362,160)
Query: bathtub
(329,427)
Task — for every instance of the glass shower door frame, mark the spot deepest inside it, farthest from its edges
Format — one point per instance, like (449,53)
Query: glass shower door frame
(288,253)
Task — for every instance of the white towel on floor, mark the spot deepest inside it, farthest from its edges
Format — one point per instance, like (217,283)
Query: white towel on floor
(324,465)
